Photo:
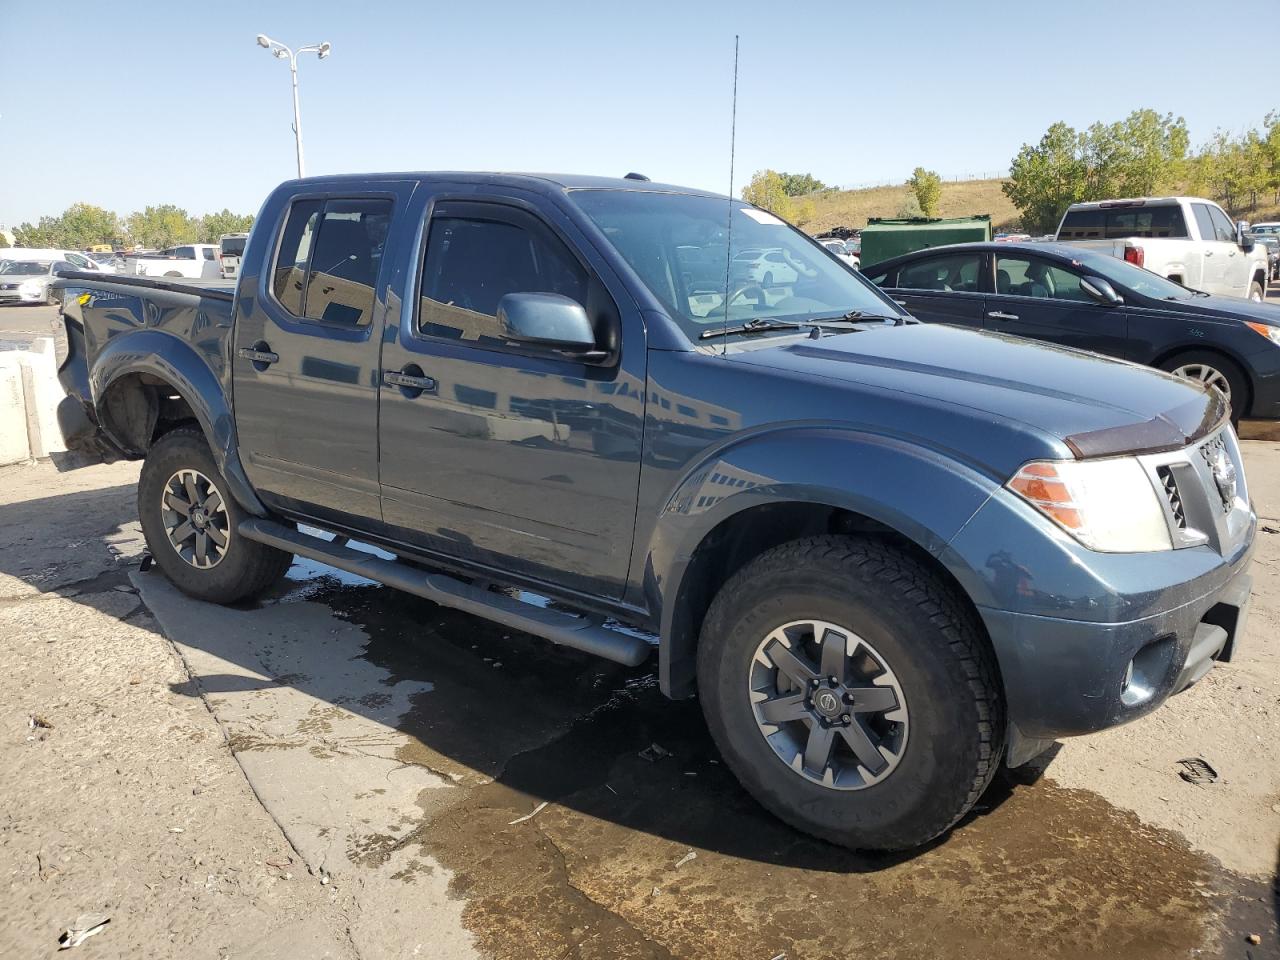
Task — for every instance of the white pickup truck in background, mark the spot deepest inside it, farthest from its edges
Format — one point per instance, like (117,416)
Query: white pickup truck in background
(1186,239)
(196,261)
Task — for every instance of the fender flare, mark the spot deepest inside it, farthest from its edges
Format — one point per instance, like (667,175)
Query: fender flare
(921,493)
(175,362)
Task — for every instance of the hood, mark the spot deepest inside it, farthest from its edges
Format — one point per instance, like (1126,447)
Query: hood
(23,277)
(1226,308)
(1094,405)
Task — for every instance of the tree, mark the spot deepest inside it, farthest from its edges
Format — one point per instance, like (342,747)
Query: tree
(79,226)
(1046,179)
(909,209)
(161,226)
(4,241)
(214,225)
(927,187)
(767,190)
(798,184)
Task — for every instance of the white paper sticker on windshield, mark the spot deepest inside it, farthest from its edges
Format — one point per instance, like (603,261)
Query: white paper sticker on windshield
(761,216)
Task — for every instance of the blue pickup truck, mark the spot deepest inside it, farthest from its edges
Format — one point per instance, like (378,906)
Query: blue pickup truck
(887,556)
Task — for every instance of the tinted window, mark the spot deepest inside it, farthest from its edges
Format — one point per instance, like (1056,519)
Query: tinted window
(958,272)
(208,253)
(346,256)
(471,264)
(1166,221)
(186,253)
(233,246)
(1224,229)
(295,249)
(77,260)
(1032,277)
(1204,221)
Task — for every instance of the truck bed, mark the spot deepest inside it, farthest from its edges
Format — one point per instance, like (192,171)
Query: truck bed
(217,289)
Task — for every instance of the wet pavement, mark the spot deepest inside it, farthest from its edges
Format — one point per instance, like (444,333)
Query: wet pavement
(497,724)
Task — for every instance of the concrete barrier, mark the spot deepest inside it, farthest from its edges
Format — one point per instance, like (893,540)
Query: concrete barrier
(29,396)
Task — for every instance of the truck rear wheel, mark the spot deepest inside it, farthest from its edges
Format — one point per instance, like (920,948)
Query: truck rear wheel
(851,693)
(190,522)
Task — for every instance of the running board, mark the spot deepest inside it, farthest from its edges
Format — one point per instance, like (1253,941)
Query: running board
(562,628)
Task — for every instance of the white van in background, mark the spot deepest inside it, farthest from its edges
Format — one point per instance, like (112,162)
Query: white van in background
(230,250)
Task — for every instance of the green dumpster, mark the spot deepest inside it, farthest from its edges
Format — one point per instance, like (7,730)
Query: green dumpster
(884,238)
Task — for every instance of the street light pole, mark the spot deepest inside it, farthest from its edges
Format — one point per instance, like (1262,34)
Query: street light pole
(282,52)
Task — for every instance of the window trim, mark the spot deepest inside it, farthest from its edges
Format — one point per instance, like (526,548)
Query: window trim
(508,209)
(267,280)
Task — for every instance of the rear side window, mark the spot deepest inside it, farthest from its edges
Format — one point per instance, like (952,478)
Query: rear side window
(1103,224)
(208,253)
(186,253)
(958,272)
(472,263)
(328,259)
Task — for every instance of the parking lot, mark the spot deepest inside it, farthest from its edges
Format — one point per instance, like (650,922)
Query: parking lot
(341,770)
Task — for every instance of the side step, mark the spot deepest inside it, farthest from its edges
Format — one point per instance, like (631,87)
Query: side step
(577,632)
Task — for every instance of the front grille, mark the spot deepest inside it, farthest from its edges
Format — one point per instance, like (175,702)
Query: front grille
(8,286)
(1170,485)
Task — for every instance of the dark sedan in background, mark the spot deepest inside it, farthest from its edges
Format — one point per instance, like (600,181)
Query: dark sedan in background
(1090,301)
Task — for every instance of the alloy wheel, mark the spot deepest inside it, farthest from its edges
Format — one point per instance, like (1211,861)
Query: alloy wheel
(1207,375)
(195,519)
(828,704)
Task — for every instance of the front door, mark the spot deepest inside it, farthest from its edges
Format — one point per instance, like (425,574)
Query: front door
(510,457)
(305,358)
(1043,300)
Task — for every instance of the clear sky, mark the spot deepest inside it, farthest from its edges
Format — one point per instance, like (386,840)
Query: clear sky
(123,104)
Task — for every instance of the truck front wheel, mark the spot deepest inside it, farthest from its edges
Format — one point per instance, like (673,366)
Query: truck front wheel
(190,523)
(851,693)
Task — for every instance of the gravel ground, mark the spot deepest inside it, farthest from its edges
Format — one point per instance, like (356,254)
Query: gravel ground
(344,771)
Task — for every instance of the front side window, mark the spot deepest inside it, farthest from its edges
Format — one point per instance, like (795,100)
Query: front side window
(473,262)
(1223,228)
(958,272)
(1032,277)
(328,260)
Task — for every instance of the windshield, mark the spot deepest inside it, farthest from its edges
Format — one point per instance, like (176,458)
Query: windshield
(27,267)
(679,247)
(1134,278)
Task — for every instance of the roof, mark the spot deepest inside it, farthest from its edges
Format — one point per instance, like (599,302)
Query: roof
(564,181)
(1066,251)
(1152,201)
(932,223)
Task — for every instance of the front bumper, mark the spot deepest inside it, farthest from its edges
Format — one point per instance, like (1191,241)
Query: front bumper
(16,296)
(1069,677)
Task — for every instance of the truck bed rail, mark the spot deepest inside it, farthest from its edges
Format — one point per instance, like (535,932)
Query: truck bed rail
(151,283)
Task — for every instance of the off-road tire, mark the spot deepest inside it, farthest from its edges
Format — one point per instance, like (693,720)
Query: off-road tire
(246,569)
(932,642)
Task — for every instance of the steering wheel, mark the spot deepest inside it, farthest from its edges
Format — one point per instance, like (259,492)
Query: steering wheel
(744,288)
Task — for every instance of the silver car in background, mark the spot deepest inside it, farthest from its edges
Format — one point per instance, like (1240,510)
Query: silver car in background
(27,281)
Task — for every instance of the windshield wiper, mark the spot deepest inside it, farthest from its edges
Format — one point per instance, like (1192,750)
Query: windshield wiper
(762,325)
(859,315)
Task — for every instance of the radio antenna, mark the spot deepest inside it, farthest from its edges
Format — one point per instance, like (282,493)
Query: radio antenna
(728,250)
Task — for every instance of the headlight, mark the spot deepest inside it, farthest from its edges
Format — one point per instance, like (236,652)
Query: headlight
(1108,505)
(1268,331)
(29,286)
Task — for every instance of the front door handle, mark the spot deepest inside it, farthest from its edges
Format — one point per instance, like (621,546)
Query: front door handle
(1000,315)
(258,355)
(410,380)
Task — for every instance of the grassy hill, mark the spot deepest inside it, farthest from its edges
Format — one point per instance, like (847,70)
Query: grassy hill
(851,208)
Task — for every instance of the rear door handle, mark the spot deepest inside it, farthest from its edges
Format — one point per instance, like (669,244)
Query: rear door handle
(409,381)
(254,355)
(1000,315)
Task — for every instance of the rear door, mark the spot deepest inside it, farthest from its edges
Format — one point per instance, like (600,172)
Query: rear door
(946,288)
(1042,299)
(508,456)
(305,363)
